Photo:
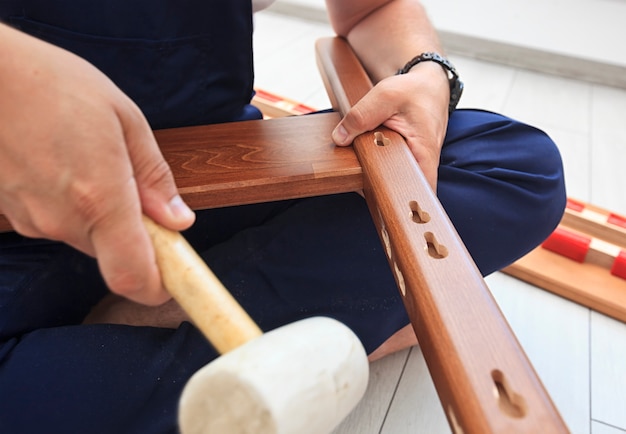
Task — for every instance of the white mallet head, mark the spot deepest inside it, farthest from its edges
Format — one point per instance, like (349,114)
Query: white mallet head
(301,378)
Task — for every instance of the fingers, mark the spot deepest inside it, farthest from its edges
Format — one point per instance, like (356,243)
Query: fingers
(401,104)
(367,114)
(80,164)
(122,246)
(155,182)
(125,253)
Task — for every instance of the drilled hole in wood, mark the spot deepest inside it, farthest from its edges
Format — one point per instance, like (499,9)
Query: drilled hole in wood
(454,423)
(418,214)
(435,250)
(385,237)
(380,139)
(511,403)
(400,279)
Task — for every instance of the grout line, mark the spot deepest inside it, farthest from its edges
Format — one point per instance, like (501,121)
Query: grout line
(395,390)
(620,429)
(509,91)
(590,352)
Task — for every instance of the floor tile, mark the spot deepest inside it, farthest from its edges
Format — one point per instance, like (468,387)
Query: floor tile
(555,335)
(416,407)
(486,85)
(609,148)
(608,371)
(600,428)
(368,417)
(548,101)
(576,152)
(287,67)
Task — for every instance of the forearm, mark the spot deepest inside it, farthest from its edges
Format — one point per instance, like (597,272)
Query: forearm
(384,37)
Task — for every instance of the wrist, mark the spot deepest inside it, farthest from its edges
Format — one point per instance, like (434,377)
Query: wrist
(454,84)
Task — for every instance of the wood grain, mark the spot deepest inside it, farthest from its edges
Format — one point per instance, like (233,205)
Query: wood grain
(256,161)
(484,380)
(259,161)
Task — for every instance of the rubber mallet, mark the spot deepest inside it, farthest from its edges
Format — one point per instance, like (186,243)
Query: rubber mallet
(301,378)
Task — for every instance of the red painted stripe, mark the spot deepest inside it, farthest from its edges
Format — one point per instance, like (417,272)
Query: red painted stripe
(301,108)
(575,205)
(617,220)
(619,265)
(569,244)
(268,96)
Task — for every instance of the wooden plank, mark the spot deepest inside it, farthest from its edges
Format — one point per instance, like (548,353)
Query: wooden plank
(484,380)
(590,274)
(257,161)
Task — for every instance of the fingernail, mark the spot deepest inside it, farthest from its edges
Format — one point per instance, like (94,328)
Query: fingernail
(340,134)
(179,209)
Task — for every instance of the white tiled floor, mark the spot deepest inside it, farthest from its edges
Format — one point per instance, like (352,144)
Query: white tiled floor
(580,355)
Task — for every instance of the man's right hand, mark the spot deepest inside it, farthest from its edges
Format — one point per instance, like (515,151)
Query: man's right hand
(80,164)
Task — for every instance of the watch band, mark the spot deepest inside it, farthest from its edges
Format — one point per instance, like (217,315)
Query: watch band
(456,85)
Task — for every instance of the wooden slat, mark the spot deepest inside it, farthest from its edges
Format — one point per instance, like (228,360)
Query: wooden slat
(590,285)
(257,161)
(588,282)
(595,221)
(484,380)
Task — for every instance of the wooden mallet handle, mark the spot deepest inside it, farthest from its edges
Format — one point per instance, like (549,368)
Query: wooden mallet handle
(199,292)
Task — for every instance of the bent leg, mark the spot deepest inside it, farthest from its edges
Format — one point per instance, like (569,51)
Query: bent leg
(59,376)
(501,183)
(98,378)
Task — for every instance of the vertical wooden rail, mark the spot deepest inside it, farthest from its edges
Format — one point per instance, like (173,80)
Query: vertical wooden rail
(483,378)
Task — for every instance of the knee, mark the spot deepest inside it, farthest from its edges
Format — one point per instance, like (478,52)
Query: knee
(502,183)
(542,191)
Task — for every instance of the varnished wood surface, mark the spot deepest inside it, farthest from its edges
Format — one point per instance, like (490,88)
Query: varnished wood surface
(259,161)
(587,283)
(483,378)
(256,161)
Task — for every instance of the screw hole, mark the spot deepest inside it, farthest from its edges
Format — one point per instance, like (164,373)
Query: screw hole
(380,139)
(511,403)
(418,214)
(435,250)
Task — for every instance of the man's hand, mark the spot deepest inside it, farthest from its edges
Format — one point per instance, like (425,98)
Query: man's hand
(414,105)
(80,164)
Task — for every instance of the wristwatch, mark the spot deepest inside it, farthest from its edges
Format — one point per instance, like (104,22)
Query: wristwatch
(456,85)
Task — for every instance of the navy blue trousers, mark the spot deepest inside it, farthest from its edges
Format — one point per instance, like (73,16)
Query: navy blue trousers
(500,181)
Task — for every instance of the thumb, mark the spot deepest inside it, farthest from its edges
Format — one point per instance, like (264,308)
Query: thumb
(367,114)
(157,189)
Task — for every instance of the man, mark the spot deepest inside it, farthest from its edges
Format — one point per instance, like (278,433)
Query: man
(80,165)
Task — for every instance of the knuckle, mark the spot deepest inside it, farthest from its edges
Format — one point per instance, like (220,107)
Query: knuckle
(95,205)
(157,173)
(124,282)
(357,118)
(87,202)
